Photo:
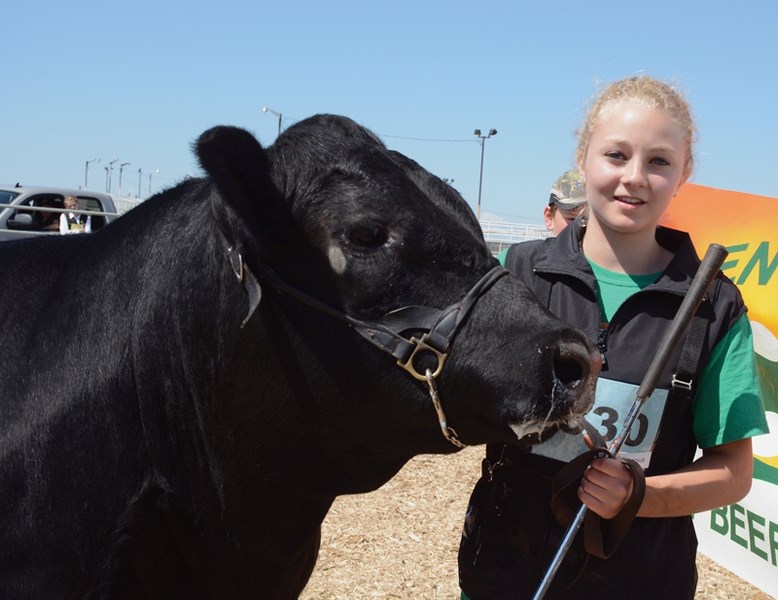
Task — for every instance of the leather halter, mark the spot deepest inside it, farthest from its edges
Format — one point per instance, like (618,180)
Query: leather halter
(391,333)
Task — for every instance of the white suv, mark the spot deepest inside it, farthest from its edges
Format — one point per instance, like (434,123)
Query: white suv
(31,211)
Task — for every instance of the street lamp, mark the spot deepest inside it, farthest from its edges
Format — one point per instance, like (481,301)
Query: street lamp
(278,114)
(150,174)
(121,168)
(140,170)
(483,138)
(86,170)
(108,172)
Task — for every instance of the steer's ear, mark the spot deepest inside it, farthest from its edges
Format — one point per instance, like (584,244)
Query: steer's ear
(240,169)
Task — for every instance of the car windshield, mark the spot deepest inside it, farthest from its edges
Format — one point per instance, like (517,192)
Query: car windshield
(7,196)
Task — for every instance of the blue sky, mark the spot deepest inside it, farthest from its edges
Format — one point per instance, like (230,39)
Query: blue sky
(139,81)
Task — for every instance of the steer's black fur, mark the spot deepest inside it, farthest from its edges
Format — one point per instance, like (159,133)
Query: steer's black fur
(150,447)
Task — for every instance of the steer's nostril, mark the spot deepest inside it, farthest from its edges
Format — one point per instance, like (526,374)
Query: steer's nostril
(571,365)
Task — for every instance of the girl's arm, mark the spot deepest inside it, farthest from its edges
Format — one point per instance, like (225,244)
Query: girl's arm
(721,476)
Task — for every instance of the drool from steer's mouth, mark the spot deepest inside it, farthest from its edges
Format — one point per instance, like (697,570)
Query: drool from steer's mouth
(537,428)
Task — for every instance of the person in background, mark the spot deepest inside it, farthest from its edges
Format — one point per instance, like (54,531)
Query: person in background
(566,202)
(620,277)
(47,221)
(71,222)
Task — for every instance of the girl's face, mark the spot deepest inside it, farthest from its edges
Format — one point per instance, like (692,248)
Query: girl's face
(633,166)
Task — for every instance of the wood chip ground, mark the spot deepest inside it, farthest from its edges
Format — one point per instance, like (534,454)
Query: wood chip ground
(401,540)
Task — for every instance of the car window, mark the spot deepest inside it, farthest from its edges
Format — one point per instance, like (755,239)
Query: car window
(45,220)
(55,200)
(37,220)
(7,196)
(90,203)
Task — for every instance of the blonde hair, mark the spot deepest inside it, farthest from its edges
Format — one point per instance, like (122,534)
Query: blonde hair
(653,94)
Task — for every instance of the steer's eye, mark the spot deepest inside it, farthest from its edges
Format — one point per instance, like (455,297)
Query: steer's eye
(367,235)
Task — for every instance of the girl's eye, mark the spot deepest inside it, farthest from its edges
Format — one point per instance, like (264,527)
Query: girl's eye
(368,236)
(660,161)
(615,154)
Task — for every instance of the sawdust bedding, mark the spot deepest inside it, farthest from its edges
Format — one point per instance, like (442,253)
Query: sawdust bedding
(401,540)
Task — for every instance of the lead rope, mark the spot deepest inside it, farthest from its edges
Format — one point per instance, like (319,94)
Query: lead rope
(448,432)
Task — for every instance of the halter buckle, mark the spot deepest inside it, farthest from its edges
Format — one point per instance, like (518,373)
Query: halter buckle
(421,345)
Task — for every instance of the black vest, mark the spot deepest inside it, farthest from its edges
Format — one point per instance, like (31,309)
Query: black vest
(510,534)
(76,221)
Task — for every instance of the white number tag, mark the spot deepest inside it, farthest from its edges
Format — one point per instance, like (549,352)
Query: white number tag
(611,405)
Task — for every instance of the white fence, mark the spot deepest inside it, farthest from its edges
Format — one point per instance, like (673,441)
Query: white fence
(124,204)
(499,234)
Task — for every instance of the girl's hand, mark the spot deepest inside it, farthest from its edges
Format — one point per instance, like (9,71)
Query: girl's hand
(606,486)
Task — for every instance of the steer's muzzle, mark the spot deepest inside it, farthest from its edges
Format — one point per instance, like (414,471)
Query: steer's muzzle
(574,367)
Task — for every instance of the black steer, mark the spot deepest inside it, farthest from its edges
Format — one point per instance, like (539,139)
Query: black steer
(185,392)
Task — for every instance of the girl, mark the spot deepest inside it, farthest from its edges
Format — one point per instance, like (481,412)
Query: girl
(620,278)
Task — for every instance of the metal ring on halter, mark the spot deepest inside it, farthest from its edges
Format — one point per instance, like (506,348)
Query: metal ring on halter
(422,346)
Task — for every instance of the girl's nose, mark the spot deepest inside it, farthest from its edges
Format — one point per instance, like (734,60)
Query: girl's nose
(634,174)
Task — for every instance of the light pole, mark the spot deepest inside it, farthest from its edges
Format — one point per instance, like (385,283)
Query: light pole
(140,170)
(150,174)
(108,173)
(483,138)
(86,171)
(121,168)
(278,114)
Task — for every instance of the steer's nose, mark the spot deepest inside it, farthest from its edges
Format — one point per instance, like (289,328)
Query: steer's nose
(575,370)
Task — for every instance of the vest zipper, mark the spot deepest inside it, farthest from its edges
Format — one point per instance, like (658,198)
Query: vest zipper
(602,344)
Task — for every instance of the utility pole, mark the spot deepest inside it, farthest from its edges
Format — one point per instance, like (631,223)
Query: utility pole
(483,138)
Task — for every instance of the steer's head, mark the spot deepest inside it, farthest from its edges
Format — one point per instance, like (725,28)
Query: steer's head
(329,211)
